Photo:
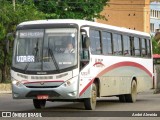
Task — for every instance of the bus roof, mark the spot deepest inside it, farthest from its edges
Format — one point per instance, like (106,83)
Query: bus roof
(83,23)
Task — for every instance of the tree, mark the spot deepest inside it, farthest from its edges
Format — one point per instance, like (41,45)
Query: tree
(78,9)
(51,9)
(9,18)
(155,46)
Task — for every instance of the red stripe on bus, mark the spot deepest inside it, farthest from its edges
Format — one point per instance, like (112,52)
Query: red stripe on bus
(85,88)
(120,64)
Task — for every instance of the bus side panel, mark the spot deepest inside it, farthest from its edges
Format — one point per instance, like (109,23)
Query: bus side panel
(118,81)
(114,86)
(116,74)
(144,83)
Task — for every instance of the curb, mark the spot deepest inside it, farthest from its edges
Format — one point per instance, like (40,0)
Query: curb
(5,88)
(5,92)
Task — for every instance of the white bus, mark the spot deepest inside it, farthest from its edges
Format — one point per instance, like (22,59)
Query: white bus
(107,61)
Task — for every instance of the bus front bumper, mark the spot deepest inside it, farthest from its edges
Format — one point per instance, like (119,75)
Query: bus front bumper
(62,92)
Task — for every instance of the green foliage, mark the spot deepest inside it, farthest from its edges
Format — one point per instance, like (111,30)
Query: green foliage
(9,18)
(78,9)
(2,31)
(26,10)
(155,46)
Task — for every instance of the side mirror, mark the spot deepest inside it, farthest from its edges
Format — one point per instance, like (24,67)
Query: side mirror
(87,42)
(7,42)
(7,46)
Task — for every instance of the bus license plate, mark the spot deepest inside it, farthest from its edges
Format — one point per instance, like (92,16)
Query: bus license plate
(42,97)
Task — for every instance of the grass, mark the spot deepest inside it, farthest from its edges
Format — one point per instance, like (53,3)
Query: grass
(6,82)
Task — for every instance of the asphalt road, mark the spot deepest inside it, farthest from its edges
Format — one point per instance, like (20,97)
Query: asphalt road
(146,101)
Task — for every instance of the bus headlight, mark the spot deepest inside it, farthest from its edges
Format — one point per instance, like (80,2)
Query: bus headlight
(70,82)
(16,82)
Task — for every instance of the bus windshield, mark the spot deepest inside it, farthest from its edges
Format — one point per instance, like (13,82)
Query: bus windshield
(45,49)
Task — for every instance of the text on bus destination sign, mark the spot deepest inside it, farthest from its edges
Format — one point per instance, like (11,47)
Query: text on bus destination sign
(28,58)
(31,34)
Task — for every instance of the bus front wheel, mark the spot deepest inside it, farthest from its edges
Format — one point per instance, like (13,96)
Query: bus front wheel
(39,104)
(90,103)
(133,95)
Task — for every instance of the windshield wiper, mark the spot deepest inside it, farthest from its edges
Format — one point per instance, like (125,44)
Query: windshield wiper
(53,58)
(34,54)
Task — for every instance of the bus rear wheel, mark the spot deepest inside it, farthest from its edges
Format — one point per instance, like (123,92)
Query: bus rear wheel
(39,104)
(133,95)
(90,103)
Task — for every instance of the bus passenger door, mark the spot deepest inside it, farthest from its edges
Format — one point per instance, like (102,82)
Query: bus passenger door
(84,50)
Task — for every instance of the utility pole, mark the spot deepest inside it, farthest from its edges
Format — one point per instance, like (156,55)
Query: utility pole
(14,4)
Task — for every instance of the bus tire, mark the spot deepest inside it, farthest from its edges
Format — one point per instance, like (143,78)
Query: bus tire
(133,95)
(39,104)
(122,98)
(90,103)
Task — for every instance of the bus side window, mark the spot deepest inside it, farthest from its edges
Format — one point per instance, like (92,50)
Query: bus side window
(143,47)
(137,51)
(95,42)
(132,45)
(126,45)
(117,42)
(106,43)
(148,48)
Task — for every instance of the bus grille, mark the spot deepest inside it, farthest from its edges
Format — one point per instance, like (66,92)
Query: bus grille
(49,93)
(42,86)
